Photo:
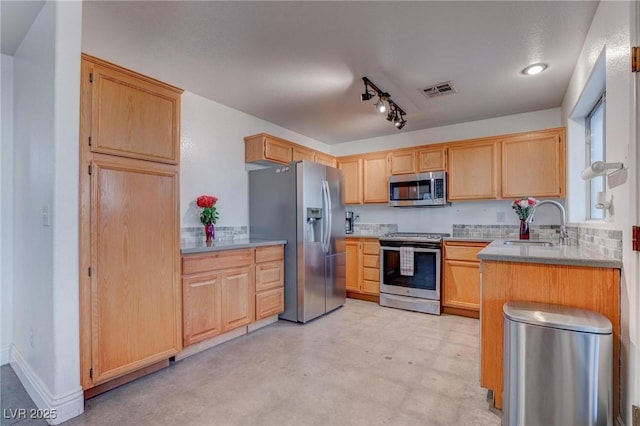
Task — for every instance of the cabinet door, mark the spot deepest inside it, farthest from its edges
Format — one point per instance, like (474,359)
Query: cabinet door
(375,178)
(237,298)
(354,274)
(302,154)
(403,162)
(135,258)
(533,165)
(134,116)
(352,184)
(461,285)
(202,307)
(473,171)
(325,159)
(430,160)
(276,150)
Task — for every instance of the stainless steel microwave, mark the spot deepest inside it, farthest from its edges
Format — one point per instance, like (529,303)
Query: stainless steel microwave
(418,190)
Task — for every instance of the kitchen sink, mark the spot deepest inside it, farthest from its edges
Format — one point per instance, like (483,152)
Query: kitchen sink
(529,243)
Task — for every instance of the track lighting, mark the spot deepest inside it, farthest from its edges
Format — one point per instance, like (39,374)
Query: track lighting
(395,114)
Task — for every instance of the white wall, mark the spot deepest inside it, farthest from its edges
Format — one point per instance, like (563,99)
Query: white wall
(45,350)
(6,209)
(614,30)
(212,157)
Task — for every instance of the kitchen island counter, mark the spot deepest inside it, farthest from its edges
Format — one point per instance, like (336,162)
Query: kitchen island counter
(202,247)
(572,255)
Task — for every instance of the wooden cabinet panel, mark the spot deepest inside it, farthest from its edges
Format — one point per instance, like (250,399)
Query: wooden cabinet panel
(237,298)
(371,261)
(534,165)
(352,182)
(202,302)
(462,285)
(473,171)
(461,278)
(269,275)
(135,265)
(277,151)
(371,247)
(270,302)
(266,149)
(132,115)
(354,268)
(212,261)
(403,162)
(302,154)
(371,287)
(375,178)
(325,159)
(596,289)
(269,253)
(430,160)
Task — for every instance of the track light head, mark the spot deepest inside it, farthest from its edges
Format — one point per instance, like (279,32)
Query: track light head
(366,96)
(381,107)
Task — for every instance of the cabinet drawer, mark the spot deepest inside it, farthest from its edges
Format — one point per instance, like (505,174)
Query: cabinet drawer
(371,261)
(269,253)
(269,275)
(371,248)
(468,253)
(196,263)
(371,274)
(270,302)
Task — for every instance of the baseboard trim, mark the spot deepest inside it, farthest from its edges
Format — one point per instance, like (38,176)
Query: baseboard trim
(66,406)
(4,354)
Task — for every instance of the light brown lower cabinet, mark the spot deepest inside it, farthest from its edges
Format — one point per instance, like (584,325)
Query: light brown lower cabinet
(228,289)
(583,287)
(363,268)
(461,278)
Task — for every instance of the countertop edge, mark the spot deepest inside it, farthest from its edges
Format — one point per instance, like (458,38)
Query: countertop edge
(571,256)
(231,245)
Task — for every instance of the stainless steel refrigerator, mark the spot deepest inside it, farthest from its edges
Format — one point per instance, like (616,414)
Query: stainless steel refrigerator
(301,203)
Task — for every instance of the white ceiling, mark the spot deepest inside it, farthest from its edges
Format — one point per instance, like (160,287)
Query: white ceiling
(16,18)
(299,64)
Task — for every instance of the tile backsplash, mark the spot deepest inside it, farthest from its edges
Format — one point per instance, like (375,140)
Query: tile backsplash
(223,233)
(375,229)
(541,232)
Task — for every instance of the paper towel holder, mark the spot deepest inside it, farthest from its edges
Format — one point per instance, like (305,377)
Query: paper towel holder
(599,168)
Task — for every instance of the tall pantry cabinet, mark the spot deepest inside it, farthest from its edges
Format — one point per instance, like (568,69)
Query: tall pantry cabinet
(130,295)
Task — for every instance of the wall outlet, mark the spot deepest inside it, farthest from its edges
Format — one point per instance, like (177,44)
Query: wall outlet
(44,212)
(501,217)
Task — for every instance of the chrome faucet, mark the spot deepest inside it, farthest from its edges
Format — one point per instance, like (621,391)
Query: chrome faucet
(564,235)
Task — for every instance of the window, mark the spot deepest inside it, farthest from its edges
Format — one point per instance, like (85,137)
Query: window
(595,150)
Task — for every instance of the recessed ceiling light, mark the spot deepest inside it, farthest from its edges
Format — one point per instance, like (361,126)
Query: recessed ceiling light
(534,69)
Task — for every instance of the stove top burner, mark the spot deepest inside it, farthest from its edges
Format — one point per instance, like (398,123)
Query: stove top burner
(414,236)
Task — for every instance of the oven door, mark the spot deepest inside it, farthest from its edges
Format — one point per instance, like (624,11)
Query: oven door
(425,281)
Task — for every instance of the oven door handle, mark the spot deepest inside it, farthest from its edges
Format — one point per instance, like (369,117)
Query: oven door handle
(418,249)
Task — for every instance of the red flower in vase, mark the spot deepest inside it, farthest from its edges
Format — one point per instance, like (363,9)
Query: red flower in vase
(209,212)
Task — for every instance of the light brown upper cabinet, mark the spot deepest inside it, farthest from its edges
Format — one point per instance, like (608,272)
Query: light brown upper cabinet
(326,159)
(132,115)
(352,179)
(271,150)
(533,164)
(263,148)
(473,170)
(375,172)
(299,154)
(403,162)
(432,159)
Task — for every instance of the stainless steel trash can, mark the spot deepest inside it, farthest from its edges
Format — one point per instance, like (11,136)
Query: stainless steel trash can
(557,366)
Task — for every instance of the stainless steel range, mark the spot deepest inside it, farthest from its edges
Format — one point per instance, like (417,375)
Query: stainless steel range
(410,271)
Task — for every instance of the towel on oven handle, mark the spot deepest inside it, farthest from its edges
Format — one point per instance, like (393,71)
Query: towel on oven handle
(406,261)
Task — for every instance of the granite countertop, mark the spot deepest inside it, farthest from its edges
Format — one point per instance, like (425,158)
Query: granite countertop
(572,255)
(202,247)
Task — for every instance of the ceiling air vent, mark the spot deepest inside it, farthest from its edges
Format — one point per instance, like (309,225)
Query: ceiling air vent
(439,89)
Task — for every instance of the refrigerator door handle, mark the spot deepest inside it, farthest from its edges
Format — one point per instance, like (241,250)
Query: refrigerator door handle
(325,216)
(329,216)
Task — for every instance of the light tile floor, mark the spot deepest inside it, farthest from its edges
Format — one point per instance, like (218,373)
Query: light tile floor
(360,365)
